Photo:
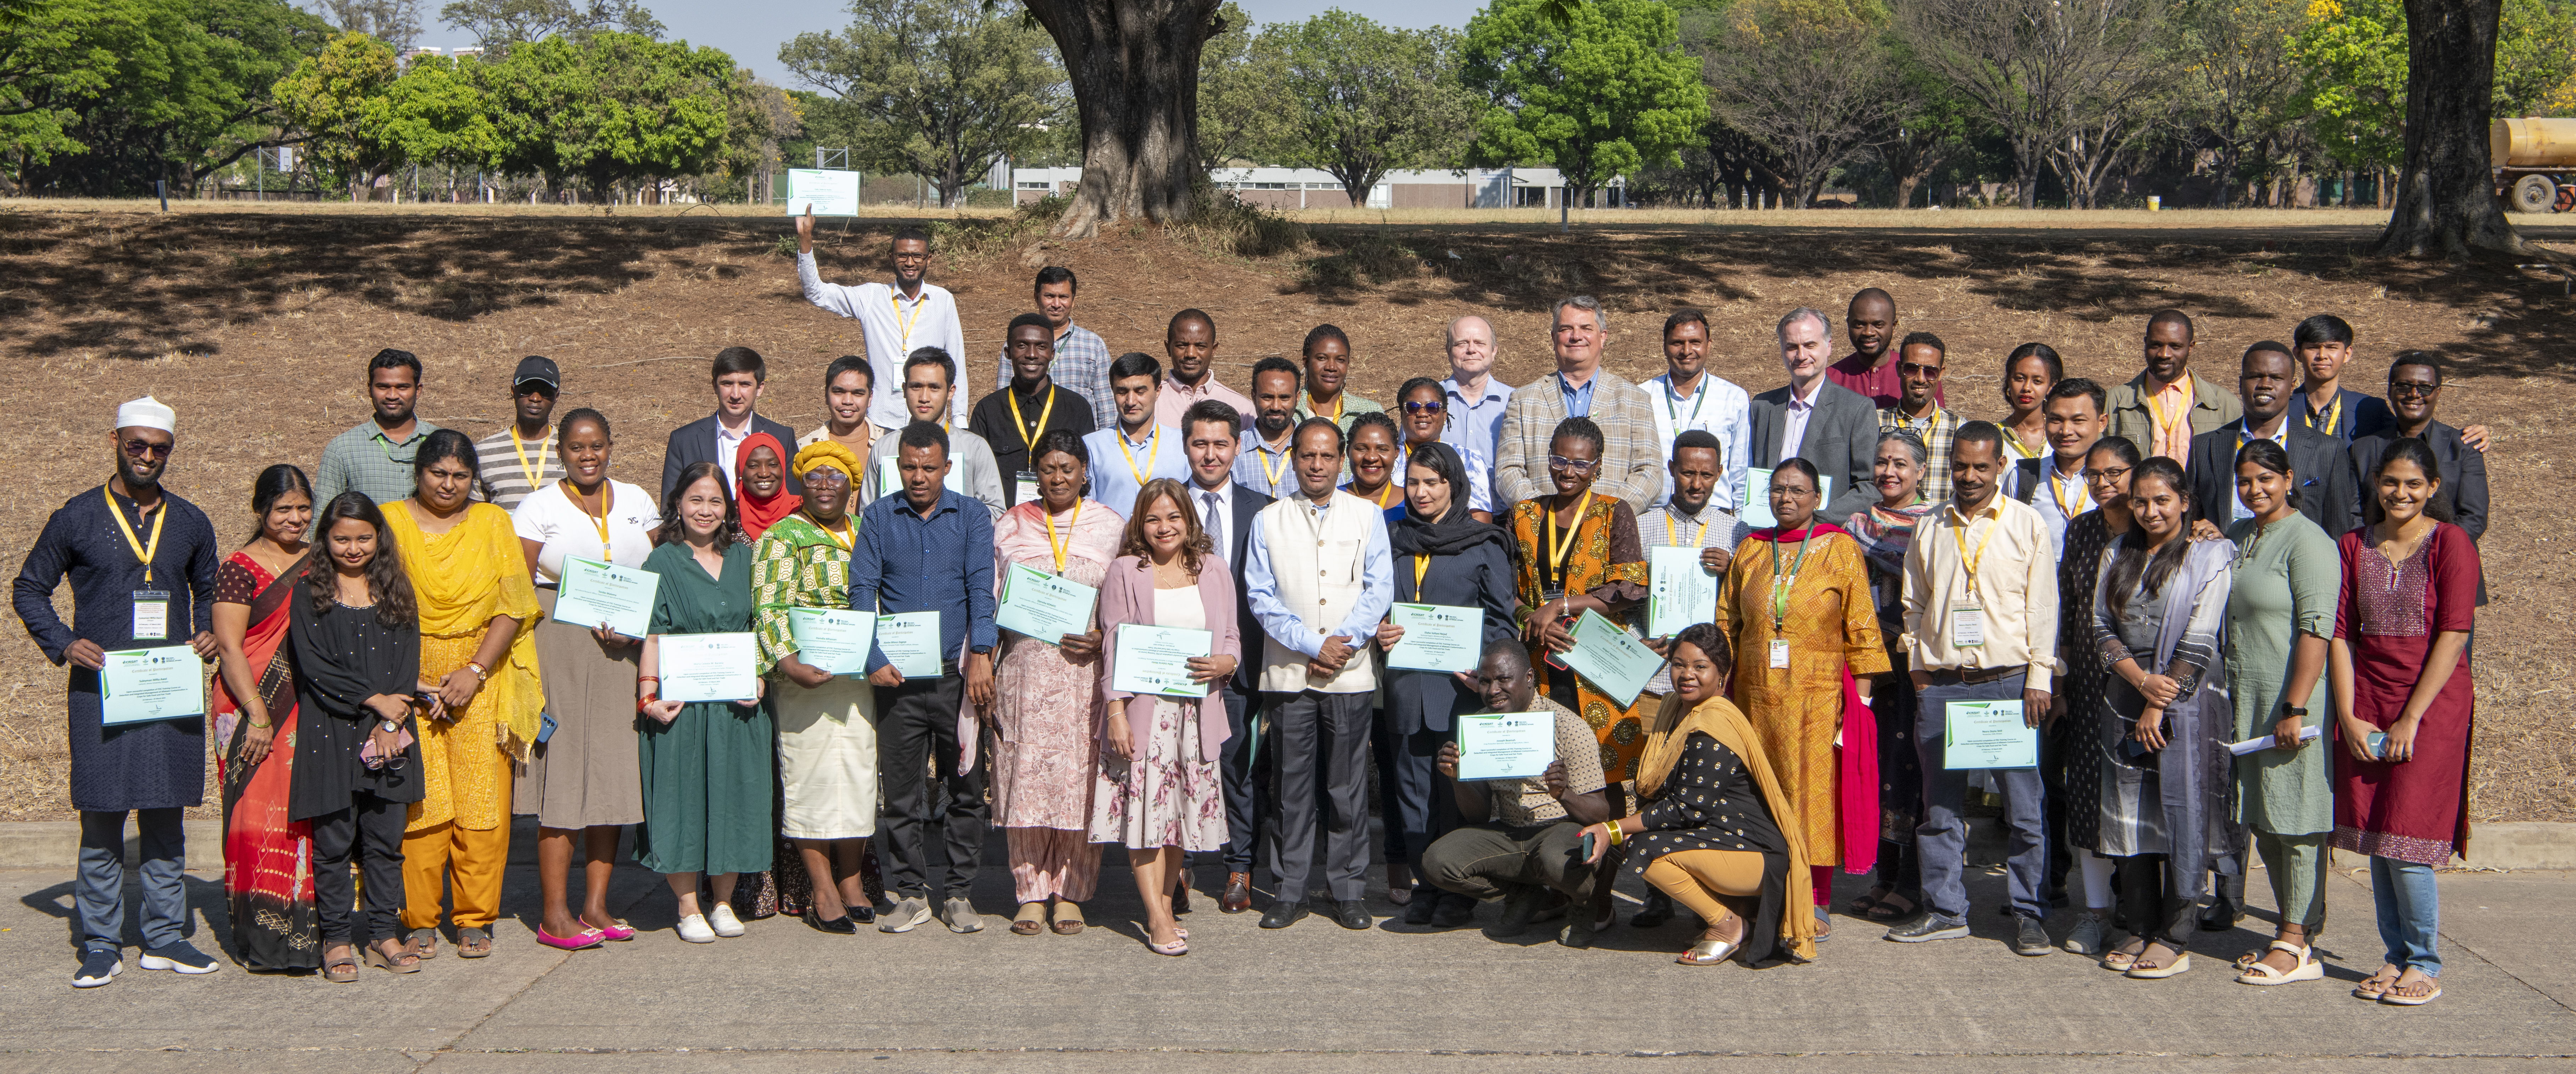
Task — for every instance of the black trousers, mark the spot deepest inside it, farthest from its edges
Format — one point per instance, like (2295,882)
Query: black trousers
(371,831)
(1243,790)
(1487,861)
(2056,741)
(2154,902)
(917,765)
(1312,733)
(1417,806)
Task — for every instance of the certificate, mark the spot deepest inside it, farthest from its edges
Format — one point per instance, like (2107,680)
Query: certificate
(1156,660)
(911,643)
(1987,734)
(590,593)
(1043,606)
(1679,592)
(1437,637)
(833,639)
(151,684)
(1757,497)
(831,193)
(1505,745)
(1617,664)
(709,667)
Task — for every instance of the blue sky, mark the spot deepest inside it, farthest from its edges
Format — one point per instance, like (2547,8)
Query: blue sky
(752,30)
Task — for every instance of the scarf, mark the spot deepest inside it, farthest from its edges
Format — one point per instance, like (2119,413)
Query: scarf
(1448,535)
(1719,719)
(1813,528)
(1885,534)
(759,514)
(1856,760)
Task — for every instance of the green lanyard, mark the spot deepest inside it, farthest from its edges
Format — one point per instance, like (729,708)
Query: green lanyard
(1779,587)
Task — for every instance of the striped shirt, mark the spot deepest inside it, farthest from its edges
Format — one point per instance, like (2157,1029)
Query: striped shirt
(511,469)
(364,460)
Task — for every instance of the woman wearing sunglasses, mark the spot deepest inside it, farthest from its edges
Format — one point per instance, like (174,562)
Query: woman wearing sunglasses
(356,640)
(1422,408)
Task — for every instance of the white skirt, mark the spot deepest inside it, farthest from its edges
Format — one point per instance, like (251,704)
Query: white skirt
(827,758)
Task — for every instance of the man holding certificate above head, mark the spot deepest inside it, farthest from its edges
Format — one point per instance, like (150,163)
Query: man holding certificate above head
(142,564)
(924,564)
(1134,449)
(1319,578)
(929,382)
(895,319)
(1525,782)
(1981,640)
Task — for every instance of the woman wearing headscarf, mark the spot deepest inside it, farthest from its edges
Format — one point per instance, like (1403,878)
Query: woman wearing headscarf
(268,872)
(1574,552)
(1715,828)
(1443,556)
(476,603)
(2159,622)
(2404,710)
(1046,744)
(1885,531)
(761,463)
(827,739)
(1804,630)
(2079,566)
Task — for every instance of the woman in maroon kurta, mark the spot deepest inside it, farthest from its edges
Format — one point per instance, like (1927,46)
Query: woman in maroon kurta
(2401,670)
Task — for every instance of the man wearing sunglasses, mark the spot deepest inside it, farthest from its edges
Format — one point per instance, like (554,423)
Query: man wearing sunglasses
(1918,409)
(2415,384)
(142,565)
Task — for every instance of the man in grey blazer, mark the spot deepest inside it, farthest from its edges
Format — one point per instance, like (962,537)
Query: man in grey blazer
(1632,464)
(1812,418)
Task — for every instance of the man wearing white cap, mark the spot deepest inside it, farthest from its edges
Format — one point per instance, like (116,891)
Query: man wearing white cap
(142,565)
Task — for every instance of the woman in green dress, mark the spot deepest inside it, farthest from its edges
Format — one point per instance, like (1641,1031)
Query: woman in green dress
(706,764)
(2289,577)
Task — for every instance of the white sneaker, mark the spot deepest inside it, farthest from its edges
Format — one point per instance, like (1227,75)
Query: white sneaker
(725,924)
(694,929)
(906,915)
(2091,935)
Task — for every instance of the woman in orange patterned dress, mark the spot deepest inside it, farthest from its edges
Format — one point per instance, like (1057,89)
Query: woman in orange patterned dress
(1576,552)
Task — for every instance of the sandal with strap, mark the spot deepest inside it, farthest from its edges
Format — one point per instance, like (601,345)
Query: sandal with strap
(2377,984)
(473,943)
(2398,994)
(2261,973)
(1887,913)
(1710,950)
(341,970)
(2117,960)
(404,962)
(2181,964)
(1868,901)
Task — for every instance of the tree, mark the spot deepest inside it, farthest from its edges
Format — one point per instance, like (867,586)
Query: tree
(1134,66)
(2237,50)
(610,109)
(327,98)
(944,87)
(1930,125)
(394,22)
(1240,73)
(499,24)
(1364,99)
(55,54)
(433,113)
(1598,91)
(2353,95)
(2038,69)
(191,92)
(1807,79)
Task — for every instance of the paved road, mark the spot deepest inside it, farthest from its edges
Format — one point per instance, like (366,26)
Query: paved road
(786,999)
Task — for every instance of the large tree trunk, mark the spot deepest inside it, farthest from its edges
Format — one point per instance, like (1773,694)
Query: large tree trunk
(1134,65)
(2446,201)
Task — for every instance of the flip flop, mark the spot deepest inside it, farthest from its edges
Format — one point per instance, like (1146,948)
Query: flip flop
(2384,979)
(2392,998)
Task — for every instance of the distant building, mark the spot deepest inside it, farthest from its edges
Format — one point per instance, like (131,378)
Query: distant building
(1314,188)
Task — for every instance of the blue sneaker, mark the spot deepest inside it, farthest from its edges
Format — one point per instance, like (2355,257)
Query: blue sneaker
(98,967)
(177,956)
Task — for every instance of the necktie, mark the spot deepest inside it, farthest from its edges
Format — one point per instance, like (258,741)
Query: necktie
(1215,521)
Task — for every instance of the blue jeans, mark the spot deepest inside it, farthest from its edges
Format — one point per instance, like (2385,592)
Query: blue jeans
(1941,841)
(2410,914)
(99,899)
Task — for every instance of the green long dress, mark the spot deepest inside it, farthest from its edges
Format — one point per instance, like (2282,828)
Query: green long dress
(2288,580)
(707,773)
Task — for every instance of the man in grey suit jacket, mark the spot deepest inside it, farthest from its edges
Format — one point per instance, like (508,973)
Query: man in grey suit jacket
(739,376)
(1830,426)
(1632,463)
(2268,382)
(1211,435)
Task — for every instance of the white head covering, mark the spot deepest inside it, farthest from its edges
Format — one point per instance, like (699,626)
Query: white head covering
(147,413)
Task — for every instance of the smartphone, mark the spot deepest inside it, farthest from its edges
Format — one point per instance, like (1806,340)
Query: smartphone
(2378,743)
(1588,840)
(545,727)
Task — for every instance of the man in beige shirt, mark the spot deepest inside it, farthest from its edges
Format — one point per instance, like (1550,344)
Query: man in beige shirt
(1980,625)
(1519,842)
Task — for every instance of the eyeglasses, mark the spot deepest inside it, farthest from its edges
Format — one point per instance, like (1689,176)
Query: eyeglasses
(1433,407)
(825,475)
(1571,466)
(146,449)
(1917,369)
(2109,474)
(2401,389)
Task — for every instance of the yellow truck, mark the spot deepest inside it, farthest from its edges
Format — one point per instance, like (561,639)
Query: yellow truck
(2534,164)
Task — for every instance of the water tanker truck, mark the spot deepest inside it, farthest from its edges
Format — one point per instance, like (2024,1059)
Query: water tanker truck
(2534,164)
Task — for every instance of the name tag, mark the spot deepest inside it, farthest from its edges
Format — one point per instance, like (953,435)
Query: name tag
(151,614)
(889,477)
(1780,654)
(1967,626)
(1024,487)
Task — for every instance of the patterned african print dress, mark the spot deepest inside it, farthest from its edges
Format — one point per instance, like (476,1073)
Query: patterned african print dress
(827,740)
(1831,627)
(1605,560)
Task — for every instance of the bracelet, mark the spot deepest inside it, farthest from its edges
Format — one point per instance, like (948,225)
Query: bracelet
(263,725)
(645,700)
(480,675)
(648,678)
(1616,836)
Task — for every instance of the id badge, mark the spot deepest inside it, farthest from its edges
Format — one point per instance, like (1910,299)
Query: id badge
(889,477)
(151,614)
(1967,626)
(1024,487)
(1780,655)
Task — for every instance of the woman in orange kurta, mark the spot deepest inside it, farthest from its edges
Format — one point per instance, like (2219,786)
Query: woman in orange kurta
(1800,616)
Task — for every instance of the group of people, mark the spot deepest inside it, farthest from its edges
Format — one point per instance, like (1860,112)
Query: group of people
(2218,624)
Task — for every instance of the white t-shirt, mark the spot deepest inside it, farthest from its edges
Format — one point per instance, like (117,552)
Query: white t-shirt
(549,515)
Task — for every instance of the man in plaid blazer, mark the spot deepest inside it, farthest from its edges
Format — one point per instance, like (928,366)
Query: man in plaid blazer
(1631,463)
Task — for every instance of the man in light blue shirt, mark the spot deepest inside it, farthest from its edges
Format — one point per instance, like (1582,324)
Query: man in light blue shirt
(1264,465)
(1132,449)
(1476,399)
(1688,397)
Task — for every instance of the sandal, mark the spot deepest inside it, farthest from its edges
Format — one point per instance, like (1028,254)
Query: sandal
(1181,898)
(1711,949)
(2259,972)
(1031,919)
(2411,993)
(1868,901)
(2139,968)
(2119,959)
(403,962)
(2377,984)
(473,943)
(1886,912)
(1068,926)
(341,970)
(422,943)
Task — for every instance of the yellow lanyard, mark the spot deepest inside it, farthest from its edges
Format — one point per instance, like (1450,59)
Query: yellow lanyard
(1929,421)
(2334,417)
(1674,539)
(1153,453)
(2065,505)
(1557,550)
(598,521)
(1339,402)
(1027,436)
(1065,545)
(519,448)
(846,544)
(1779,587)
(902,325)
(2012,440)
(1383,495)
(1421,566)
(2166,423)
(142,551)
(1959,537)
(1272,472)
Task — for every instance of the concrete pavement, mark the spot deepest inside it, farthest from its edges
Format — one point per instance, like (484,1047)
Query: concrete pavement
(785,998)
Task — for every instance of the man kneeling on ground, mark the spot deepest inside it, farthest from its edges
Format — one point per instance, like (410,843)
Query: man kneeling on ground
(1522,837)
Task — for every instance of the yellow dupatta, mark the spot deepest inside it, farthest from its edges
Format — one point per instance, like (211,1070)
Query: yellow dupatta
(461,579)
(1719,719)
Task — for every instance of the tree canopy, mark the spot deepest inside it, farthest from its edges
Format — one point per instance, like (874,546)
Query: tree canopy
(940,88)
(1598,91)
(1362,99)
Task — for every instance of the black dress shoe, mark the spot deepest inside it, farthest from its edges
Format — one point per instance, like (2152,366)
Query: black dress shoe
(1283,914)
(1455,910)
(1659,909)
(1238,893)
(1352,914)
(1425,905)
(2219,916)
(845,925)
(865,915)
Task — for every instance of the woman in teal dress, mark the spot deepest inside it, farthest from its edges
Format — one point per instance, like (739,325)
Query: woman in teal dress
(706,764)
(2289,577)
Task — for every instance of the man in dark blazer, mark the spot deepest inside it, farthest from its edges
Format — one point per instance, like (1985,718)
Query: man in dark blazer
(739,376)
(1834,427)
(2267,380)
(2414,386)
(1211,434)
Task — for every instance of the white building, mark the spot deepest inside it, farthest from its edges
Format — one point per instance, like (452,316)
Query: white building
(1314,188)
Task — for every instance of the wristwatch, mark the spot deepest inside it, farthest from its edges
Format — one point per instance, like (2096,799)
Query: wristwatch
(390,727)
(2293,710)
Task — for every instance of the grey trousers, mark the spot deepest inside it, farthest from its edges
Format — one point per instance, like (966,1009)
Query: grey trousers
(1486,861)
(1942,838)
(99,901)
(1312,732)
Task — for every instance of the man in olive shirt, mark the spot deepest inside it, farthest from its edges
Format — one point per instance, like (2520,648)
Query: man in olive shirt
(1523,843)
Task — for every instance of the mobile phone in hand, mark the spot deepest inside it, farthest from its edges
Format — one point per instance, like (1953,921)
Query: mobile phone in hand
(2378,744)
(1588,840)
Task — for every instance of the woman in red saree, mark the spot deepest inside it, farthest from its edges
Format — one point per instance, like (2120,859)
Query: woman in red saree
(267,876)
